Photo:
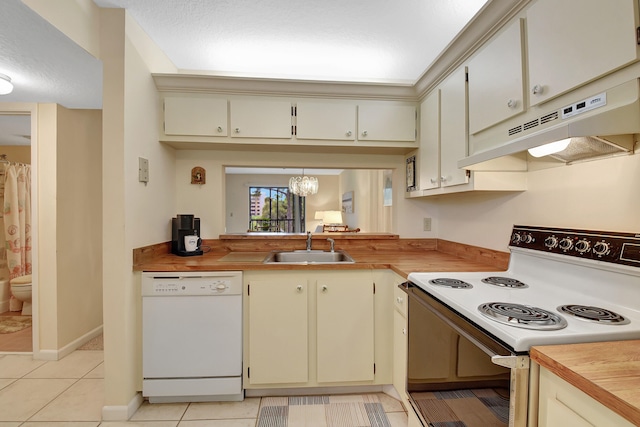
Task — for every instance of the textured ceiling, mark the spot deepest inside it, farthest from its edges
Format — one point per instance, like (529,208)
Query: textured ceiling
(44,65)
(338,40)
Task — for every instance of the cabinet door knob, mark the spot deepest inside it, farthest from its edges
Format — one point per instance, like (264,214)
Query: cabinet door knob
(299,288)
(349,133)
(219,129)
(237,130)
(443,179)
(512,103)
(325,288)
(399,299)
(364,133)
(537,90)
(434,180)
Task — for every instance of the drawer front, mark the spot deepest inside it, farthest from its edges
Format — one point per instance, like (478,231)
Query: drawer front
(400,301)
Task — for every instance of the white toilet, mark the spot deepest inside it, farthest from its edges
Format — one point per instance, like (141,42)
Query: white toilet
(21,289)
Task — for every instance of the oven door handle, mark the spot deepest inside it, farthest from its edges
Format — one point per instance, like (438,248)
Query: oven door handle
(511,362)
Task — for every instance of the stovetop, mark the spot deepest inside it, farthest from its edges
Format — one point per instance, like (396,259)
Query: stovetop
(608,278)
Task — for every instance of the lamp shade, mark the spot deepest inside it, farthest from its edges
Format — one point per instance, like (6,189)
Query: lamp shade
(332,217)
(6,87)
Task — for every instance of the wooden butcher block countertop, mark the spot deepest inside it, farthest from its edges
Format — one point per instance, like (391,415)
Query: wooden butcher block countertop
(370,251)
(609,372)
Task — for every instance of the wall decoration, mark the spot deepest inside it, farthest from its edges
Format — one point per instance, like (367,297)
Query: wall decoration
(411,173)
(387,185)
(198,175)
(347,202)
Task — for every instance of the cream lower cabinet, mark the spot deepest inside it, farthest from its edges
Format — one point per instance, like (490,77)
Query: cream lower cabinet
(400,341)
(314,329)
(561,405)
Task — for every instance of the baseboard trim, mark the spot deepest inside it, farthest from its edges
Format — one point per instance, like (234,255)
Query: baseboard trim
(122,412)
(69,348)
(312,390)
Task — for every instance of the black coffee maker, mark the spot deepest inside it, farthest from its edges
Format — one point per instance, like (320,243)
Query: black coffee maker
(181,226)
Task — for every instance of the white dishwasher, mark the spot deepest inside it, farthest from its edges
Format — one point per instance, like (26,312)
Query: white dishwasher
(192,336)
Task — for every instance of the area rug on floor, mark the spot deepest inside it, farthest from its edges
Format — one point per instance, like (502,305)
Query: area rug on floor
(11,324)
(93,344)
(329,411)
(460,408)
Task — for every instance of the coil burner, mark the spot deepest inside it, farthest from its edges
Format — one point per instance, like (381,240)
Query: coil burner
(594,314)
(522,316)
(505,282)
(451,283)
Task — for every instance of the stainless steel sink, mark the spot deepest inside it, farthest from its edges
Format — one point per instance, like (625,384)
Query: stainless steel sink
(308,257)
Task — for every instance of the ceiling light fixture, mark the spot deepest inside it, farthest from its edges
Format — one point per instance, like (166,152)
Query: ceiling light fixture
(551,148)
(6,87)
(303,185)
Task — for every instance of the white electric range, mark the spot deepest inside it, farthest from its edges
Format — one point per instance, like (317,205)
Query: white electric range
(596,272)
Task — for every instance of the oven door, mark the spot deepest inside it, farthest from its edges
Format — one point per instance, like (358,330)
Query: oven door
(458,373)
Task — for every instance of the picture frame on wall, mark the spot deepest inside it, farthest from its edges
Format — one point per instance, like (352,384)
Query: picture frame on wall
(411,173)
(387,188)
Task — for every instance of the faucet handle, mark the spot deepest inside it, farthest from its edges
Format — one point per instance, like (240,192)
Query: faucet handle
(332,243)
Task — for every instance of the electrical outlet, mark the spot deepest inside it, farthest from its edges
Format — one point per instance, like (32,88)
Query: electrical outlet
(143,170)
(426,224)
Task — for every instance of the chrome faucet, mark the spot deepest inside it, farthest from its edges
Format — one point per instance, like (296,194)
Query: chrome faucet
(332,243)
(308,240)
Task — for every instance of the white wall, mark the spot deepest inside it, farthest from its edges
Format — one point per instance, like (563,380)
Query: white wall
(237,198)
(599,195)
(134,214)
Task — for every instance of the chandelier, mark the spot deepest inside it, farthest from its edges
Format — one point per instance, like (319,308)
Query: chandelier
(303,185)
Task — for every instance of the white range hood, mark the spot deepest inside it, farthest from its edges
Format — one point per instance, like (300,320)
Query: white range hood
(601,124)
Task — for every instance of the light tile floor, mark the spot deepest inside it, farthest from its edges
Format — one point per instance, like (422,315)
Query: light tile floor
(69,393)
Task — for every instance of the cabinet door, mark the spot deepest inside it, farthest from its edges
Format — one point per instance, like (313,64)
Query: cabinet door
(386,121)
(195,116)
(256,118)
(429,154)
(345,320)
(571,42)
(326,120)
(278,332)
(496,90)
(453,128)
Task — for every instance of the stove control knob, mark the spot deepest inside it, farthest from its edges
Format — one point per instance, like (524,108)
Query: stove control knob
(583,246)
(601,248)
(527,238)
(516,238)
(566,244)
(551,242)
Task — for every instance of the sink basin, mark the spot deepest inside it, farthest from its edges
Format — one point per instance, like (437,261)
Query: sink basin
(308,257)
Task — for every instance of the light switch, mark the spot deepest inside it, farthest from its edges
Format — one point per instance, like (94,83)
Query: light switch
(143,170)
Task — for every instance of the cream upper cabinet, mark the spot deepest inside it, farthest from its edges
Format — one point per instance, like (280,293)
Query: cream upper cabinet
(453,128)
(260,118)
(571,42)
(326,120)
(496,89)
(345,327)
(386,121)
(195,116)
(561,404)
(278,331)
(428,162)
